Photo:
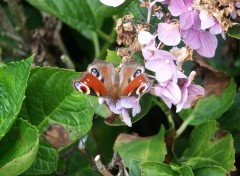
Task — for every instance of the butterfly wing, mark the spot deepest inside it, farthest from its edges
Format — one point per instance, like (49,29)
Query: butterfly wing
(133,80)
(98,80)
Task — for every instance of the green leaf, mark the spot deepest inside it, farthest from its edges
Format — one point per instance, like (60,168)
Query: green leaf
(211,107)
(13,82)
(50,98)
(209,146)
(183,171)
(140,14)
(156,168)
(230,120)
(234,31)
(47,157)
(75,13)
(134,169)
(112,56)
(135,148)
(18,148)
(213,171)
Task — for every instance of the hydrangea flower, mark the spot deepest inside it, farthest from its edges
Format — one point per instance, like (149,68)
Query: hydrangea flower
(122,106)
(113,3)
(209,22)
(188,16)
(170,93)
(203,42)
(189,92)
(169,34)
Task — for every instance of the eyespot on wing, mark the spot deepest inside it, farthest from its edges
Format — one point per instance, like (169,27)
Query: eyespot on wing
(137,86)
(89,84)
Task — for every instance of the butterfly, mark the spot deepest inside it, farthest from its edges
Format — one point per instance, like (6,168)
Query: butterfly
(102,80)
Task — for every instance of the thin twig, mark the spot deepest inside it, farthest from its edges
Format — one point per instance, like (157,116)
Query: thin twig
(101,168)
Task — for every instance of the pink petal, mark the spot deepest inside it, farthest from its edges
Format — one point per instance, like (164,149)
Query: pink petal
(136,109)
(113,3)
(206,20)
(126,118)
(197,21)
(183,99)
(148,51)
(169,34)
(193,91)
(208,44)
(192,39)
(216,29)
(154,64)
(186,20)
(173,92)
(188,3)
(113,108)
(237,4)
(180,74)
(128,102)
(159,92)
(163,69)
(177,7)
(164,54)
(145,37)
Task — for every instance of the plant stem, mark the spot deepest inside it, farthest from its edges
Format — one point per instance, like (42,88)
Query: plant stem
(104,36)
(184,125)
(167,112)
(108,44)
(96,44)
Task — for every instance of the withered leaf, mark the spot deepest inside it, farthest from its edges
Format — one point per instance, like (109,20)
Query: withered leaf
(214,81)
(57,136)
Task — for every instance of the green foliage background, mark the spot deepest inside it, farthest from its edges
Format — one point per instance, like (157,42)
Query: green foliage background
(71,34)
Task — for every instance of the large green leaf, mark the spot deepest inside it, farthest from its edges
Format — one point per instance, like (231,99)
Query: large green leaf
(234,31)
(13,82)
(140,149)
(230,120)
(47,157)
(50,98)
(76,13)
(211,107)
(213,171)
(161,169)
(156,168)
(18,148)
(183,171)
(209,146)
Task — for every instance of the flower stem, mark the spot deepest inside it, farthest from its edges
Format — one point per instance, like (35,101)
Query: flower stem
(104,36)
(184,125)
(96,44)
(167,112)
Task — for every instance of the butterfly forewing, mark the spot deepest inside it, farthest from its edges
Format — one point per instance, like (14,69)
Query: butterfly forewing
(137,86)
(89,84)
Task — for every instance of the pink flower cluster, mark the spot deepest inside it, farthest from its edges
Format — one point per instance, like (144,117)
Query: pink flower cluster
(122,106)
(172,86)
(197,30)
